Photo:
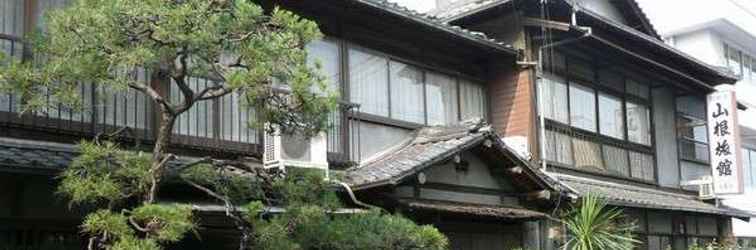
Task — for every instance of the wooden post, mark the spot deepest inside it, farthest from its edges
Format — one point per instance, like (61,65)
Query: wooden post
(724,227)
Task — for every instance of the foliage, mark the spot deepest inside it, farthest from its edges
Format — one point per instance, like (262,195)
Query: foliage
(247,50)
(592,225)
(309,222)
(105,172)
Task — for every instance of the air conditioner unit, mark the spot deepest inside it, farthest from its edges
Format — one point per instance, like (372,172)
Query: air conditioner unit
(705,187)
(284,150)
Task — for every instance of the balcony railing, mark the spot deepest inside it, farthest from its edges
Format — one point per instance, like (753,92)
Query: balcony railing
(342,123)
(220,125)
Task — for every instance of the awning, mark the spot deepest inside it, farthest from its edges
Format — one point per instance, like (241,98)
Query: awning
(646,197)
(489,211)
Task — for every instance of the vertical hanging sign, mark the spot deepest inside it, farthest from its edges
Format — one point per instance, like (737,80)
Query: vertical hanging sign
(724,142)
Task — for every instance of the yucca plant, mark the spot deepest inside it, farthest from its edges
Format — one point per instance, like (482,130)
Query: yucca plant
(591,225)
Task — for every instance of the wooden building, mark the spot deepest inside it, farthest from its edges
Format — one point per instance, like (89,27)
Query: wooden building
(440,121)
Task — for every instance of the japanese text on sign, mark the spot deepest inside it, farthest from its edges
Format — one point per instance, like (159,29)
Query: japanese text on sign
(723,142)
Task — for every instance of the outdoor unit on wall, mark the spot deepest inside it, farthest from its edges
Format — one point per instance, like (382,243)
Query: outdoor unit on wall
(705,187)
(283,151)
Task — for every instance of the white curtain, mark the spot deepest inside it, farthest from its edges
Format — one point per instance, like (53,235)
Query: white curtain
(582,107)
(407,102)
(368,76)
(472,100)
(441,99)
(638,123)
(610,116)
(555,98)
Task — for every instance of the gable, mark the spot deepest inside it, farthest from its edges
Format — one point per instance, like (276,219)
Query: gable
(477,174)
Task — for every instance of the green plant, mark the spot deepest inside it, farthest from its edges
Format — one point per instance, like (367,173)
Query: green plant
(592,225)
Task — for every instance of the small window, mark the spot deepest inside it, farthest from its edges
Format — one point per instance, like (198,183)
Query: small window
(554,101)
(582,107)
(616,161)
(587,155)
(558,147)
(611,116)
(472,100)
(642,166)
(407,101)
(610,79)
(581,68)
(638,123)
(368,75)
(441,99)
(733,60)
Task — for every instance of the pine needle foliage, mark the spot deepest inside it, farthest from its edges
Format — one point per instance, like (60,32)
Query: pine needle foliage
(592,225)
(246,50)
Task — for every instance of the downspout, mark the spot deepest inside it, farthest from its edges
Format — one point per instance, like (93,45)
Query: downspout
(587,32)
(353,197)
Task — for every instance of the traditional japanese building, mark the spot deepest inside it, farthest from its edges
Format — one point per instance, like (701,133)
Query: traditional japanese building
(440,120)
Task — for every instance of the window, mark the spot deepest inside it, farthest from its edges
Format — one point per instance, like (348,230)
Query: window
(733,60)
(591,117)
(368,78)
(611,115)
(554,90)
(472,100)
(582,107)
(326,53)
(12,17)
(693,142)
(749,169)
(441,99)
(407,93)
(638,123)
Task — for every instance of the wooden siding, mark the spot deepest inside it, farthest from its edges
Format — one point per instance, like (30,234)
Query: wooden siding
(512,102)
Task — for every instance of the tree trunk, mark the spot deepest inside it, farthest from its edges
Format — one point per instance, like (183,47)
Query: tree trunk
(159,160)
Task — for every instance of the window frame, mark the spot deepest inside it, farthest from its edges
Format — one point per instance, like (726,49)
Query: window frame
(389,120)
(693,141)
(596,137)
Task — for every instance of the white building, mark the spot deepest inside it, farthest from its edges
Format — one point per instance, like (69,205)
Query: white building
(722,43)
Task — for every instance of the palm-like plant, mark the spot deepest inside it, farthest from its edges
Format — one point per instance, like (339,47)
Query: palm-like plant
(591,225)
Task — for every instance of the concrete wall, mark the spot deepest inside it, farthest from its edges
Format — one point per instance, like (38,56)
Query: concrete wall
(703,45)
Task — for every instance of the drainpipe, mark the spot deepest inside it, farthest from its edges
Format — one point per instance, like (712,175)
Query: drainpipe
(353,197)
(587,32)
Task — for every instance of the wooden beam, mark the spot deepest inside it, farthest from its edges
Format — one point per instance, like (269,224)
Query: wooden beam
(538,195)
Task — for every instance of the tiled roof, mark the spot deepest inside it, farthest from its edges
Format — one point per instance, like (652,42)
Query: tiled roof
(643,197)
(428,20)
(462,8)
(49,157)
(497,212)
(431,145)
(22,154)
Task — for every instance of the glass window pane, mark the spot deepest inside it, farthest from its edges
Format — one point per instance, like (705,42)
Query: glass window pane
(326,53)
(642,166)
(555,98)
(582,107)
(733,60)
(638,123)
(616,159)
(587,155)
(692,128)
(692,150)
(637,89)
(692,106)
(12,18)
(368,76)
(407,102)
(441,99)
(472,100)
(610,116)
(559,147)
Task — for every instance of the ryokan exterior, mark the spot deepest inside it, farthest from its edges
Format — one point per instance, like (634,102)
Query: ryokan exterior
(438,122)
